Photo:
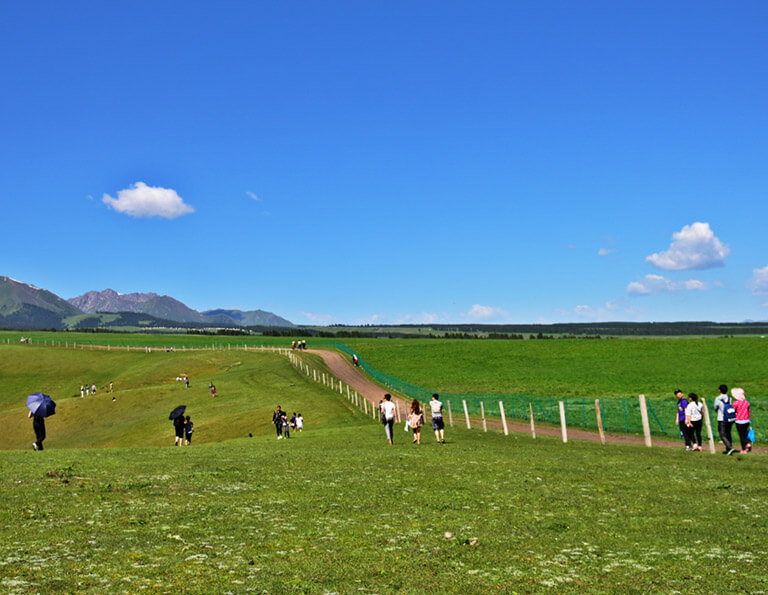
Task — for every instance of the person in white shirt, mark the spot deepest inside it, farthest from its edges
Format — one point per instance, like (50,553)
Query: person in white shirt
(694,419)
(437,418)
(388,411)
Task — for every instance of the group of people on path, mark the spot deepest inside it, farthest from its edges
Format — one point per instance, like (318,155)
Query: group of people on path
(284,425)
(415,420)
(690,417)
(302,344)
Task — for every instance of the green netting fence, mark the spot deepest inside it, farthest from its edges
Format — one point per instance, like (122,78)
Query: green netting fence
(619,415)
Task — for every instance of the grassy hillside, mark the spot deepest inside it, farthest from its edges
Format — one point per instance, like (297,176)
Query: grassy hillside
(336,510)
(574,368)
(249,386)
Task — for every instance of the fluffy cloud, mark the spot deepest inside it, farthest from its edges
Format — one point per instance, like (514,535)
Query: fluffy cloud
(759,281)
(605,252)
(693,247)
(141,200)
(252,195)
(478,312)
(320,319)
(652,284)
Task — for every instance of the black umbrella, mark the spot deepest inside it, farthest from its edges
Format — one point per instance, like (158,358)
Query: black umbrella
(177,412)
(40,404)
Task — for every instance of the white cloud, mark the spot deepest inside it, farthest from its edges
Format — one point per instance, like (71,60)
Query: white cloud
(604,252)
(487,313)
(653,284)
(141,200)
(693,247)
(252,195)
(320,319)
(759,281)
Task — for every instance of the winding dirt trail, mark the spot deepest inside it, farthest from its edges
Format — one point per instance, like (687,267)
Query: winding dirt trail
(345,371)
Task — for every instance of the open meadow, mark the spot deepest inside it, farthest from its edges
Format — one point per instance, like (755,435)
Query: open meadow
(111,506)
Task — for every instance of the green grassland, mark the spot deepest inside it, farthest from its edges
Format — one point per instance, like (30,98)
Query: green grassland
(249,386)
(574,367)
(335,509)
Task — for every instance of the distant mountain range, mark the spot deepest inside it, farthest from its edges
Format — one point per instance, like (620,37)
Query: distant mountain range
(25,306)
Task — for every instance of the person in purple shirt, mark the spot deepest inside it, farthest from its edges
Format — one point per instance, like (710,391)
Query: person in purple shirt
(682,403)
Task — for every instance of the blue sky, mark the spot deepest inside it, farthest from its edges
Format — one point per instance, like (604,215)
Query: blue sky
(388,162)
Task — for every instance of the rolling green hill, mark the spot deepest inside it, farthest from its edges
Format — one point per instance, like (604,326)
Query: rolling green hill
(249,386)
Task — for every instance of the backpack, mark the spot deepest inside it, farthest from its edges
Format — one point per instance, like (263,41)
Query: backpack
(729,412)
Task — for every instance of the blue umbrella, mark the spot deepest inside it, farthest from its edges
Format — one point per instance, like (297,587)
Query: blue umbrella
(40,404)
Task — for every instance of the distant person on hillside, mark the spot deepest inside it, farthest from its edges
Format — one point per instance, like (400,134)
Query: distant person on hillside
(436,406)
(416,420)
(741,405)
(694,420)
(293,344)
(303,343)
(87,389)
(355,360)
(186,381)
(178,426)
(38,425)
(277,419)
(82,391)
(212,386)
(93,389)
(682,403)
(286,425)
(189,427)
(388,410)
(299,423)
(293,422)
(726,415)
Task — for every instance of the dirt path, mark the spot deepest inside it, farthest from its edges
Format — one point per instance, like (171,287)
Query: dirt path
(343,369)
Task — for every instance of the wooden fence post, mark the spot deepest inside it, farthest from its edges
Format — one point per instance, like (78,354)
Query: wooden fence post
(533,425)
(503,419)
(644,418)
(466,413)
(709,426)
(562,421)
(450,415)
(599,421)
(482,414)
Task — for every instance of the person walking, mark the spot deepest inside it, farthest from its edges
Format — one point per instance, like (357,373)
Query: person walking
(277,419)
(726,415)
(416,420)
(38,425)
(694,420)
(741,405)
(299,423)
(188,429)
(388,410)
(436,406)
(682,403)
(178,426)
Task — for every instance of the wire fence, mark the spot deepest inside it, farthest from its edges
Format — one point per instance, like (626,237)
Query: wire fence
(619,415)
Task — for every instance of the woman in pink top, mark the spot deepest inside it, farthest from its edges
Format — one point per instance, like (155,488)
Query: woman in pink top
(741,405)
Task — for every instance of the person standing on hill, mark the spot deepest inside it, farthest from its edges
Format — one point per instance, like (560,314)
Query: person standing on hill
(436,406)
(416,420)
(388,410)
(724,424)
(694,419)
(277,419)
(742,418)
(682,403)
(178,426)
(189,427)
(38,425)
